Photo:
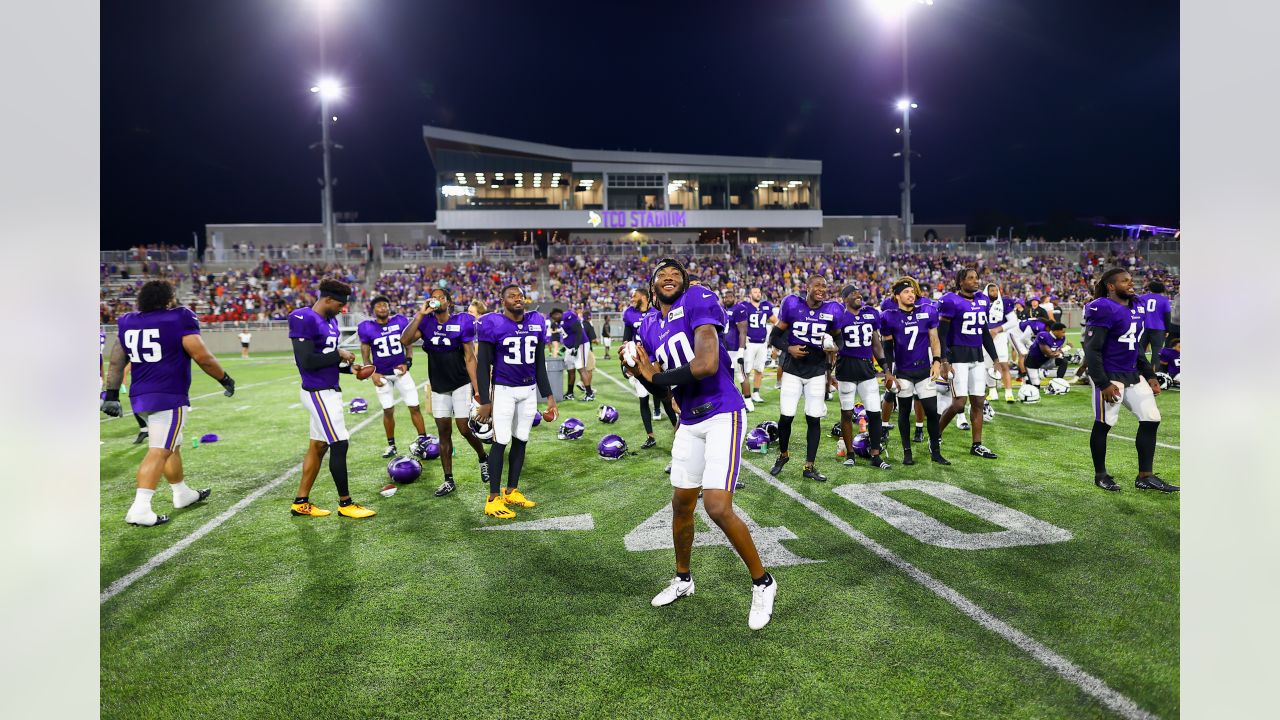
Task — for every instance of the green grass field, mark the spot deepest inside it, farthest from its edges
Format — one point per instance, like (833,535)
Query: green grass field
(415,614)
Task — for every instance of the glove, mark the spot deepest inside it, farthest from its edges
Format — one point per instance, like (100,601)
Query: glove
(111,407)
(408,363)
(228,385)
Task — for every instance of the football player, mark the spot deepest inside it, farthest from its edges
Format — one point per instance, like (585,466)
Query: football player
(631,319)
(734,339)
(1121,375)
(314,332)
(1157,310)
(380,338)
(803,323)
(859,332)
(684,341)
(510,375)
(576,348)
(1037,321)
(1000,317)
(759,317)
(909,333)
(964,333)
(1046,353)
(160,340)
(449,339)
(890,302)
(1170,358)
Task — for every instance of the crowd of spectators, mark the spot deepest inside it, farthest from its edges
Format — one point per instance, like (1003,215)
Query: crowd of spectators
(480,280)
(270,291)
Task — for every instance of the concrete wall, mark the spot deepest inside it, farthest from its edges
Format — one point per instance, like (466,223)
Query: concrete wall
(225,342)
(265,234)
(864,228)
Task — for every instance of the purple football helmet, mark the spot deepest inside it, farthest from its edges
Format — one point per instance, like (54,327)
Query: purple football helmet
(571,429)
(612,447)
(860,446)
(608,414)
(758,440)
(537,419)
(430,449)
(771,429)
(404,470)
(359,405)
(859,411)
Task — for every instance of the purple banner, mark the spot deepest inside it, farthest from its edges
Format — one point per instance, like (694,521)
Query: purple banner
(636,218)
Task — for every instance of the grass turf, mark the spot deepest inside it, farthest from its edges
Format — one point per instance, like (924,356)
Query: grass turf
(414,614)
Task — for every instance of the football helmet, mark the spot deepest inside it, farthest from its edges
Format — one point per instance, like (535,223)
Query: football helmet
(1165,380)
(537,419)
(1058,386)
(359,405)
(758,440)
(861,446)
(1028,393)
(484,431)
(771,429)
(988,412)
(835,430)
(612,447)
(571,429)
(993,375)
(404,469)
(608,414)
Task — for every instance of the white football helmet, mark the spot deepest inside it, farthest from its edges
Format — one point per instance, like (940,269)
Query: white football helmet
(1029,393)
(1165,380)
(988,412)
(1058,386)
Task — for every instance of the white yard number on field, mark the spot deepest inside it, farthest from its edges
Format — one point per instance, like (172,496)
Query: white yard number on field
(1019,528)
(655,534)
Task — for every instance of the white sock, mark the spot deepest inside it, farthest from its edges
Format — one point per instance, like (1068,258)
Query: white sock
(179,487)
(183,495)
(141,501)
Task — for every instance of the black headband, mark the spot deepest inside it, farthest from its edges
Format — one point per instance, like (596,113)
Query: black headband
(900,286)
(335,296)
(665,263)
(847,290)
(378,299)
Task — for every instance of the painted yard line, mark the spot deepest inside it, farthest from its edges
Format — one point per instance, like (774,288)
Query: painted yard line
(1112,699)
(1091,685)
(1079,429)
(137,574)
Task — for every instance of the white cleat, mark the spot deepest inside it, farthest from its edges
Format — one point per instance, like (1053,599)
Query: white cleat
(761,604)
(680,588)
(751,407)
(756,397)
(145,518)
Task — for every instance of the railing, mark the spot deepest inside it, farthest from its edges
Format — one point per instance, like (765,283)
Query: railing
(397,254)
(253,256)
(515,253)
(170,255)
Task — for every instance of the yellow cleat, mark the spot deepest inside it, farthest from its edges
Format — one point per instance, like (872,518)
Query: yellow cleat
(355,510)
(497,508)
(514,497)
(307,508)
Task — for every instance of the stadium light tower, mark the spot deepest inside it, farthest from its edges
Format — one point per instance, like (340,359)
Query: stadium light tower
(329,90)
(900,11)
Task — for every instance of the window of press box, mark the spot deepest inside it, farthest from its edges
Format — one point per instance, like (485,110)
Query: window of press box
(682,192)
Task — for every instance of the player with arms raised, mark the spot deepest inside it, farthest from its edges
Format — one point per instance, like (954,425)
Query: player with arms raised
(160,340)
(314,332)
(380,338)
(449,340)
(511,373)
(684,340)
(963,331)
(1120,374)
(800,335)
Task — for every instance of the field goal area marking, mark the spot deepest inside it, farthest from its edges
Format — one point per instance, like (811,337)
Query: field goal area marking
(1093,686)
(120,584)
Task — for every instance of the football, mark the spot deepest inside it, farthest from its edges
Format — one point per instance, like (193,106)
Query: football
(363,372)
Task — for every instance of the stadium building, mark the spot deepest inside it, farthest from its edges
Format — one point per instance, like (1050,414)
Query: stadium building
(489,187)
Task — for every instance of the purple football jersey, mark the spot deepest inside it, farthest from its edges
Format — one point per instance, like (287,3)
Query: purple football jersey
(758,321)
(384,340)
(515,346)
(856,330)
(445,344)
(807,325)
(571,325)
(161,366)
(310,325)
(734,315)
(910,334)
(968,319)
(631,318)
(1172,360)
(1124,326)
(891,302)
(1036,358)
(1156,306)
(669,340)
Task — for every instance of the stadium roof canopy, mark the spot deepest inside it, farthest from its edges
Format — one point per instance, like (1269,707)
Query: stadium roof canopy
(438,139)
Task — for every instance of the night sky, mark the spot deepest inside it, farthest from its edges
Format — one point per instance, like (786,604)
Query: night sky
(1030,112)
